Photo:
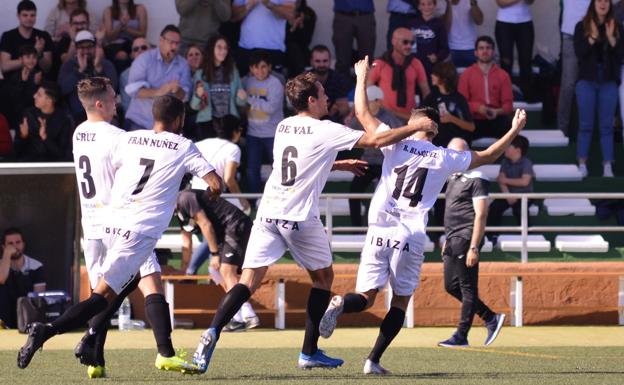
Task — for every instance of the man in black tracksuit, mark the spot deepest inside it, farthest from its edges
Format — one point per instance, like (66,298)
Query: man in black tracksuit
(464,224)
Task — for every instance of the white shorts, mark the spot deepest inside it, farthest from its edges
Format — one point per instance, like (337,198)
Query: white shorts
(306,240)
(391,253)
(128,254)
(95,253)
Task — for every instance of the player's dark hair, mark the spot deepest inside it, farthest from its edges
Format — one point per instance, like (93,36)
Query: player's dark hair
(11,231)
(92,89)
(429,112)
(522,143)
(26,5)
(169,28)
(226,126)
(259,55)
(300,88)
(486,39)
(167,109)
(27,50)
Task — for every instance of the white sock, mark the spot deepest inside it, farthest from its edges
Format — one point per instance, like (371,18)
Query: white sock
(583,170)
(238,317)
(247,310)
(607,170)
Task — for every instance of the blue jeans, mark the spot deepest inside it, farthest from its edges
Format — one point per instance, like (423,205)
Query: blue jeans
(200,255)
(605,95)
(256,149)
(463,58)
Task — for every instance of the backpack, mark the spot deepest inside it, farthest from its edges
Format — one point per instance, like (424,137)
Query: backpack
(41,307)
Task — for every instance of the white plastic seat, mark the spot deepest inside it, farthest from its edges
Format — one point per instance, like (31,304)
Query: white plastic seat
(173,241)
(513,242)
(534,107)
(579,207)
(581,243)
(537,138)
(355,243)
(557,172)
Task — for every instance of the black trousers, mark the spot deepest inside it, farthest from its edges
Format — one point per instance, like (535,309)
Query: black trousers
(359,184)
(520,35)
(462,282)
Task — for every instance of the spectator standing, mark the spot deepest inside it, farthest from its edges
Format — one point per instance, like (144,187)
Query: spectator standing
(598,46)
(336,85)
(157,72)
(58,22)
(401,12)
(25,34)
(123,21)
(573,12)
(23,84)
(461,18)
(19,275)
(218,89)
(455,117)
(353,19)
(618,13)
(515,176)
(514,28)
(263,26)
(429,34)
(266,102)
(44,134)
(299,33)
(139,45)
(88,62)
(200,20)
(397,73)
(487,88)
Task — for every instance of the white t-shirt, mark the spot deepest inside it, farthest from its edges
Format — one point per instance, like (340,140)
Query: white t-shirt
(261,28)
(93,146)
(150,169)
(463,33)
(218,152)
(573,12)
(516,13)
(412,175)
(304,152)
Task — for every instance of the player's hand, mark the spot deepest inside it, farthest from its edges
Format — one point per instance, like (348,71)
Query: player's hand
(215,262)
(519,120)
(214,184)
(361,68)
(356,166)
(99,59)
(245,205)
(472,258)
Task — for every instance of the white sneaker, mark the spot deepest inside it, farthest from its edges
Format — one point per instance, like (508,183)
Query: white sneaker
(583,170)
(252,322)
(330,318)
(374,368)
(607,170)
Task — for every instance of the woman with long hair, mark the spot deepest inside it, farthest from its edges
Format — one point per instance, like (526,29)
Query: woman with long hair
(599,49)
(123,22)
(218,91)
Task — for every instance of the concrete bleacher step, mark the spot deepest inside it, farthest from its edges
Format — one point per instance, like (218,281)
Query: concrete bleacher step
(513,242)
(543,172)
(537,138)
(353,243)
(581,243)
(173,242)
(579,207)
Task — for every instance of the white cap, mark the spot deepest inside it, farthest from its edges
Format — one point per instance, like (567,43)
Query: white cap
(84,35)
(374,93)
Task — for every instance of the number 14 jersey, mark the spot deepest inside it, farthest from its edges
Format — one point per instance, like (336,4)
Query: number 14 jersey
(304,152)
(413,174)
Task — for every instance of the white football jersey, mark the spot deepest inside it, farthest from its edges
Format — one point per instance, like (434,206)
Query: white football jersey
(304,152)
(218,152)
(93,145)
(150,169)
(413,174)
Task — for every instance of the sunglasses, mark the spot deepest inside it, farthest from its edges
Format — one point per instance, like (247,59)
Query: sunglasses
(140,48)
(408,42)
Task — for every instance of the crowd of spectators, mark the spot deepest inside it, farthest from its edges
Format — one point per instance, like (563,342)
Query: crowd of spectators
(230,59)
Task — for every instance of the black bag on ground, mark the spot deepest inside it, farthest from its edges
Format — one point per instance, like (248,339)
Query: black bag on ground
(41,307)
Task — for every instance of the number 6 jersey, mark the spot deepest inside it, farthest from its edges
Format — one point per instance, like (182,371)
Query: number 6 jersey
(304,152)
(412,175)
(93,144)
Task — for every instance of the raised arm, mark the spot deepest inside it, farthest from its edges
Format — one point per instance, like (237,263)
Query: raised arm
(214,182)
(490,154)
(367,120)
(389,137)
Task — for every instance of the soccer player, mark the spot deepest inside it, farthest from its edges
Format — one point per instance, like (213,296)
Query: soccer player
(464,223)
(93,144)
(413,173)
(226,231)
(304,153)
(150,166)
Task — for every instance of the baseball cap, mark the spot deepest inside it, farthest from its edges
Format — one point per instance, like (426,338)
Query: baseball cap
(374,93)
(84,35)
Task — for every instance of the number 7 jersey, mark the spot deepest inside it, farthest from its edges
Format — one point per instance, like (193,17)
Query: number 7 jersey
(413,174)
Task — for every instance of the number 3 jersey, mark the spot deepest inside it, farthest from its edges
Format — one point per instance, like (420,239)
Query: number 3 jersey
(150,169)
(413,174)
(304,152)
(93,145)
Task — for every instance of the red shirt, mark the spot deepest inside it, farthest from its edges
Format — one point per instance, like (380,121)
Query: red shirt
(381,75)
(5,137)
(492,89)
